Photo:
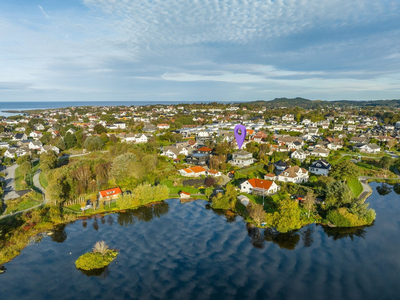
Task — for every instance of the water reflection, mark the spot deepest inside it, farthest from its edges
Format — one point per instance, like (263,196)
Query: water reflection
(59,235)
(288,240)
(396,188)
(142,214)
(384,189)
(101,273)
(306,236)
(345,232)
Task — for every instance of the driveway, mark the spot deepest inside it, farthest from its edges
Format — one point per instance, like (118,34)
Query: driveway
(9,189)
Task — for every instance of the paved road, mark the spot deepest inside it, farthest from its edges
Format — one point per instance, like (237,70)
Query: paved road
(9,189)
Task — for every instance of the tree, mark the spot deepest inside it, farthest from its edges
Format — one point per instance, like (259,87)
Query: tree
(93,143)
(48,160)
(24,158)
(61,144)
(309,202)
(104,137)
(288,217)
(99,129)
(385,162)
(256,212)
(345,170)
(25,168)
(70,140)
(122,166)
(208,192)
(338,194)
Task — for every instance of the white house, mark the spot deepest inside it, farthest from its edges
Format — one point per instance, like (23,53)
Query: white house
(37,145)
(46,148)
(256,185)
(293,174)
(174,151)
(163,126)
(214,173)
(141,138)
(193,171)
(36,135)
(320,167)
(369,148)
(119,125)
(298,154)
(319,152)
(242,158)
(4,145)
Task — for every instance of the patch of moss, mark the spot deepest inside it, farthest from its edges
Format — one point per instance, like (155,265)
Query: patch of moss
(91,261)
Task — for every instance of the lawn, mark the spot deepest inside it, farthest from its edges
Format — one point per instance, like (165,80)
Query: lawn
(27,201)
(19,181)
(355,186)
(43,180)
(176,189)
(251,169)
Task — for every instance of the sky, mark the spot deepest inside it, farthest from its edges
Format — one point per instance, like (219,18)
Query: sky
(199,50)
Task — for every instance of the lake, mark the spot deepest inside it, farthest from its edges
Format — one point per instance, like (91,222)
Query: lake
(185,251)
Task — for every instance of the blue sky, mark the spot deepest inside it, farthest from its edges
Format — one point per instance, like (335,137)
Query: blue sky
(194,50)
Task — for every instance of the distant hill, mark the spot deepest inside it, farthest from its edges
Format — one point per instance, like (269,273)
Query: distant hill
(306,103)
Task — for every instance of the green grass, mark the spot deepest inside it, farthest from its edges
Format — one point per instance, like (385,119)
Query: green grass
(43,180)
(176,189)
(19,178)
(27,201)
(251,169)
(355,186)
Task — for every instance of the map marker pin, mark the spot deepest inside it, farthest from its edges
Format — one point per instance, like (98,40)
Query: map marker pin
(240,137)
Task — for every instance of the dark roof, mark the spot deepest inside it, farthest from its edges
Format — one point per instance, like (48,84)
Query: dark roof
(321,164)
(280,164)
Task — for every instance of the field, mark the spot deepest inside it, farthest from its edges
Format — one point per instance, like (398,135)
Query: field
(355,186)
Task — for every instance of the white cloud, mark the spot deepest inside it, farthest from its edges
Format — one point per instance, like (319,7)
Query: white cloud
(43,12)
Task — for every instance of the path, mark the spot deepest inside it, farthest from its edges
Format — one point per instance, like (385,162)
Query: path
(9,189)
(38,186)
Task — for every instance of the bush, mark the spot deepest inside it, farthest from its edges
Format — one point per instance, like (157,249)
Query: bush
(92,261)
(337,219)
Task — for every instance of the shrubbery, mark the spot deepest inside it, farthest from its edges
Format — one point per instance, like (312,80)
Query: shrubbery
(99,258)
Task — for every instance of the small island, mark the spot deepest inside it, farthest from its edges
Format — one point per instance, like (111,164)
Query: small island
(100,258)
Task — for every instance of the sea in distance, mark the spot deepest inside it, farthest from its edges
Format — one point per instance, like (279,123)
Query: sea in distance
(186,251)
(29,105)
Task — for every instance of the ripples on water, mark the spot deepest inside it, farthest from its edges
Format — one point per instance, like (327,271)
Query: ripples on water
(184,251)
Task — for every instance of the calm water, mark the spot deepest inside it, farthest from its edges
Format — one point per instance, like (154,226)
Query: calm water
(184,251)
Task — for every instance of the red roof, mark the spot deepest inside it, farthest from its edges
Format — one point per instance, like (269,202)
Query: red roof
(110,192)
(184,193)
(196,169)
(204,149)
(213,171)
(260,183)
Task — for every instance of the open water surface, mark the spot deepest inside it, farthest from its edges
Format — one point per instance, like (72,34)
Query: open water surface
(184,251)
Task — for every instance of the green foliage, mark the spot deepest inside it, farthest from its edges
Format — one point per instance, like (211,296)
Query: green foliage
(92,261)
(93,143)
(288,216)
(99,129)
(344,170)
(70,140)
(338,194)
(48,161)
(336,218)
(143,194)
(355,186)
(341,217)
(226,201)
(385,162)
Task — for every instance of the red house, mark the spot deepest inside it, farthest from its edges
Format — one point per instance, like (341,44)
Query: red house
(107,195)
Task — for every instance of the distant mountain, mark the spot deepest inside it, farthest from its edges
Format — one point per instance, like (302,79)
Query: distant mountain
(306,103)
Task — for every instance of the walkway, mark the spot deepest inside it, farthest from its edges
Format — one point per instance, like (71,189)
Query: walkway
(39,187)
(9,189)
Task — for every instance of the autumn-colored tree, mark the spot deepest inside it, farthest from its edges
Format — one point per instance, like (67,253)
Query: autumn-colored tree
(256,212)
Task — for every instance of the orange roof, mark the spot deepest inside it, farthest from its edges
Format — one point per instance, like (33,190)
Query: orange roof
(249,131)
(213,171)
(182,192)
(196,169)
(162,125)
(204,149)
(109,192)
(260,183)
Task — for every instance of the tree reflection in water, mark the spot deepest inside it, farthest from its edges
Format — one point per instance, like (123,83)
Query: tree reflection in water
(384,189)
(396,188)
(95,224)
(306,235)
(110,220)
(59,234)
(142,214)
(288,240)
(343,232)
(101,273)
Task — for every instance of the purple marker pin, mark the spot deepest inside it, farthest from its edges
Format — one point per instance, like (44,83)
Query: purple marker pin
(240,137)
